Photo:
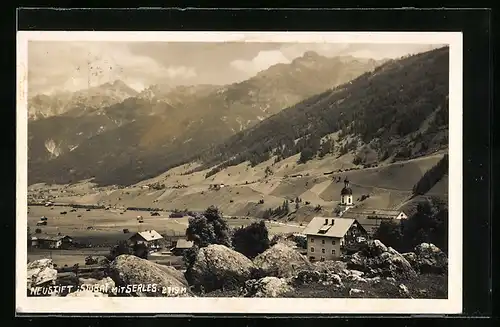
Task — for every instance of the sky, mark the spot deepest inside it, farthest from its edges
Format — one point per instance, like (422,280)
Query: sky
(55,66)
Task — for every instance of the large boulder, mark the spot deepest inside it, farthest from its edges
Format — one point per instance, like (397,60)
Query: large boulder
(305,277)
(216,266)
(41,272)
(281,261)
(335,267)
(266,287)
(141,277)
(428,258)
(378,260)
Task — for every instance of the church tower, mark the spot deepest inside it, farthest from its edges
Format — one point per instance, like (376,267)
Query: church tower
(346,196)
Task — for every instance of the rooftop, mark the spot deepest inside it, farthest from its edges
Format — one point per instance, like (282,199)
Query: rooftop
(335,227)
(46,237)
(149,235)
(184,244)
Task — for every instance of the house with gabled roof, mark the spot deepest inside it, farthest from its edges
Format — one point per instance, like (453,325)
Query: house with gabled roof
(46,241)
(329,237)
(370,219)
(151,238)
(181,246)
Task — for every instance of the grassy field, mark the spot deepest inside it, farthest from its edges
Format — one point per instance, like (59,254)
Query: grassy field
(107,225)
(108,228)
(67,257)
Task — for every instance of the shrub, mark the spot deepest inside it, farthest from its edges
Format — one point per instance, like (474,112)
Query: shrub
(90,260)
(140,250)
(208,228)
(122,247)
(252,239)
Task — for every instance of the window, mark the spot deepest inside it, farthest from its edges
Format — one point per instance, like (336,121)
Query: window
(312,239)
(333,242)
(322,241)
(322,250)
(333,252)
(322,259)
(348,200)
(311,258)
(312,249)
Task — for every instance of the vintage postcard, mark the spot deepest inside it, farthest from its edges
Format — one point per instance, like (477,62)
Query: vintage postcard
(239,172)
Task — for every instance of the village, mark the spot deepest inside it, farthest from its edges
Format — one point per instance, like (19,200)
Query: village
(325,237)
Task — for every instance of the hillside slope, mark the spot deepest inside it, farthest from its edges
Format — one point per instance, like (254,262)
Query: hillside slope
(251,191)
(160,129)
(398,111)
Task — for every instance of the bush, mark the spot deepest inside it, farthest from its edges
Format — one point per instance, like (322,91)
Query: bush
(189,256)
(251,240)
(431,177)
(428,225)
(140,250)
(38,231)
(122,247)
(208,228)
(90,260)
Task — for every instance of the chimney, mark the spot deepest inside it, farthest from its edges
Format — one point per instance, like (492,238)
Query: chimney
(326,221)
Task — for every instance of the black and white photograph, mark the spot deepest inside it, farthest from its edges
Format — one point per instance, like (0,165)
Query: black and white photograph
(266,172)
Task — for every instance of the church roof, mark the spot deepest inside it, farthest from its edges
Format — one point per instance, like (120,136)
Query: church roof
(346,191)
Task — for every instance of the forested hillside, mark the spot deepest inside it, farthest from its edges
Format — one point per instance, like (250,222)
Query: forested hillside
(398,111)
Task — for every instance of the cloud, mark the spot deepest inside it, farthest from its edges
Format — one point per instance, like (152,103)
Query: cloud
(70,66)
(181,72)
(263,60)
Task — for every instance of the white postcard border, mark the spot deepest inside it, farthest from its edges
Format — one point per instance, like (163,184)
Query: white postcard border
(453,304)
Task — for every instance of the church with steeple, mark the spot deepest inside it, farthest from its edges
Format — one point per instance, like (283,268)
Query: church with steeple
(346,201)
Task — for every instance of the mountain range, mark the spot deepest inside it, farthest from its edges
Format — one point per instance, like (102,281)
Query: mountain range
(120,136)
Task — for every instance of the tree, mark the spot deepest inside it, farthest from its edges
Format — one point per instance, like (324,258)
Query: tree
(208,228)
(389,233)
(429,224)
(189,256)
(431,177)
(285,208)
(306,155)
(140,250)
(122,247)
(252,239)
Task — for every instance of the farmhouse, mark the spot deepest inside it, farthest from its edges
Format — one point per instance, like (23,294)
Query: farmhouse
(329,238)
(51,242)
(151,238)
(216,186)
(180,246)
(370,219)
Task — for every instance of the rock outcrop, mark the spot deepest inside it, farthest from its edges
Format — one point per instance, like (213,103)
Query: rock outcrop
(41,272)
(378,260)
(281,261)
(216,266)
(428,258)
(145,278)
(266,287)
